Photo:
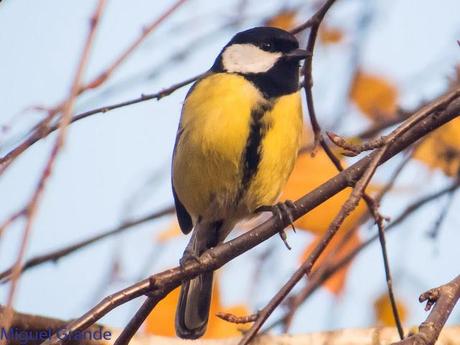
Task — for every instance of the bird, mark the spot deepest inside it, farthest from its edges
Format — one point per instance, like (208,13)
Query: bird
(238,138)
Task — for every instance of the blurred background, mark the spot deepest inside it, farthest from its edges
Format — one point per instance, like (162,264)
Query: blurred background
(373,59)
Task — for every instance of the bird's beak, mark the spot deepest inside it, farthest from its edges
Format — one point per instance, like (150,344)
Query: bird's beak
(297,55)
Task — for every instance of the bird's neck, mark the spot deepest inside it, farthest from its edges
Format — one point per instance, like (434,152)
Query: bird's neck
(282,79)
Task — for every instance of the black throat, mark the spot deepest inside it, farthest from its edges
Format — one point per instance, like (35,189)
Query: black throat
(282,79)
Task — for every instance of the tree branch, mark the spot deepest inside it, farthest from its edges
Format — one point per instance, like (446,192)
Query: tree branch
(55,255)
(444,299)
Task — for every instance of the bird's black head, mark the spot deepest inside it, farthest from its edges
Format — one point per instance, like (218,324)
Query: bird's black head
(268,57)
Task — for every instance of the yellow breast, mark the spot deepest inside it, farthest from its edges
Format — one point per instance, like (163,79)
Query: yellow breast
(214,130)
(279,151)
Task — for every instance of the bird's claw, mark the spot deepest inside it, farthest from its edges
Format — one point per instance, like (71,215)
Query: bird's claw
(282,211)
(284,239)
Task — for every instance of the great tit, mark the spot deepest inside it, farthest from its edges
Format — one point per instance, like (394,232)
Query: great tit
(237,141)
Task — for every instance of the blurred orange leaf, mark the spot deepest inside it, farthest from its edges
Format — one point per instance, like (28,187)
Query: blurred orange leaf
(169,233)
(330,35)
(374,95)
(336,283)
(384,313)
(310,172)
(285,19)
(441,149)
(161,319)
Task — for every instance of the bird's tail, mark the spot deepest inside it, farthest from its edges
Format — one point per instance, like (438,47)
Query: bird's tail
(195,295)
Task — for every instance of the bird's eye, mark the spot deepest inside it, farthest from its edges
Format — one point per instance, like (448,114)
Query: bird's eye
(267,46)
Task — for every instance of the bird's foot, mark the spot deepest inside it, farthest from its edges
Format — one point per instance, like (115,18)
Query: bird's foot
(282,211)
(283,236)
(187,257)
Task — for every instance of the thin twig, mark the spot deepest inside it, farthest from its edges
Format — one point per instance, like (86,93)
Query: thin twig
(303,26)
(389,280)
(11,219)
(314,22)
(55,255)
(392,179)
(377,127)
(382,240)
(434,232)
(136,322)
(351,149)
(237,319)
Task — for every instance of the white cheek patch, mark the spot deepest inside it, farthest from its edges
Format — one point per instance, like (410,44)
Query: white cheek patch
(247,58)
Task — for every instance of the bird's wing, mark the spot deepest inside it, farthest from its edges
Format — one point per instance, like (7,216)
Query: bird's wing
(185,221)
(184,218)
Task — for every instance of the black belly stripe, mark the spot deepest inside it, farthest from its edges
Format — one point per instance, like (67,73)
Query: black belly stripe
(252,153)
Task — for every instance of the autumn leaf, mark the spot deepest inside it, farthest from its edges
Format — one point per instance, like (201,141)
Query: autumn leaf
(336,283)
(161,319)
(330,35)
(384,313)
(441,149)
(309,173)
(374,95)
(285,19)
(169,233)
